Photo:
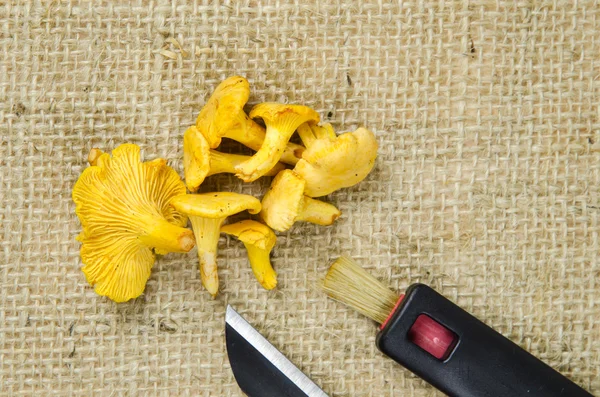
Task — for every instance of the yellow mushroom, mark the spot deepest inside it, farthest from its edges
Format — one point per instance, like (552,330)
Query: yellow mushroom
(223,116)
(333,162)
(123,206)
(259,240)
(281,121)
(199,161)
(207,212)
(311,131)
(285,203)
(225,163)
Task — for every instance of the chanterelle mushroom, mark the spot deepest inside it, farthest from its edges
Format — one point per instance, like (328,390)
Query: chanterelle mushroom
(123,206)
(281,121)
(207,212)
(285,203)
(333,162)
(199,161)
(225,163)
(311,131)
(223,116)
(259,240)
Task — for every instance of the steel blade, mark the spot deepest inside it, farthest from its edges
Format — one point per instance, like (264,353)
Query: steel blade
(259,368)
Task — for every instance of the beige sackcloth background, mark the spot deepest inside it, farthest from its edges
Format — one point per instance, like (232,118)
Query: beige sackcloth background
(486,186)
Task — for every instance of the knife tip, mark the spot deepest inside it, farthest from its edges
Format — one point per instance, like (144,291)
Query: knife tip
(229,313)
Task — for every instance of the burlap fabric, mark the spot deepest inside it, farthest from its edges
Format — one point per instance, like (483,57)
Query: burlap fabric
(486,187)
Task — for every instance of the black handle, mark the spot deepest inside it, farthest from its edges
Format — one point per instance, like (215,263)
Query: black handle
(483,363)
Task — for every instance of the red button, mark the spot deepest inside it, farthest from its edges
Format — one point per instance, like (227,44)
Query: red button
(432,337)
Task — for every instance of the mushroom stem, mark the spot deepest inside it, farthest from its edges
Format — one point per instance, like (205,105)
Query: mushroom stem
(207,232)
(252,135)
(318,212)
(265,158)
(226,163)
(261,266)
(306,134)
(165,237)
(325,131)
(310,132)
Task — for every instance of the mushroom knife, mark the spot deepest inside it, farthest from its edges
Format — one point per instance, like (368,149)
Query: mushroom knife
(259,368)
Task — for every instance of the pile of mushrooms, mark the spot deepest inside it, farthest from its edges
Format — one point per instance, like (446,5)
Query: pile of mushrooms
(131,210)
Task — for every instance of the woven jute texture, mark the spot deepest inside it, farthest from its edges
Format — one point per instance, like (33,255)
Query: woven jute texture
(487,185)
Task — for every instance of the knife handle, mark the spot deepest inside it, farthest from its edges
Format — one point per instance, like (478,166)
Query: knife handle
(474,360)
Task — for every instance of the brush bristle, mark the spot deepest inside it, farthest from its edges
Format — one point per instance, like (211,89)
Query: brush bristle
(350,284)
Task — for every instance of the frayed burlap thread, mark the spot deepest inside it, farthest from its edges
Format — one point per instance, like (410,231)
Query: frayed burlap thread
(486,186)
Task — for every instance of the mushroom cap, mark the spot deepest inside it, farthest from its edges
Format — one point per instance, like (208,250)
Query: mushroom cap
(333,163)
(283,117)
(284,200)
(114,201)
(215,205)
(196,158)
(220,113)
(252,233)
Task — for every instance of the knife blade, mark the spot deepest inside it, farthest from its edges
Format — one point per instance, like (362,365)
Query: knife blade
(259,368)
